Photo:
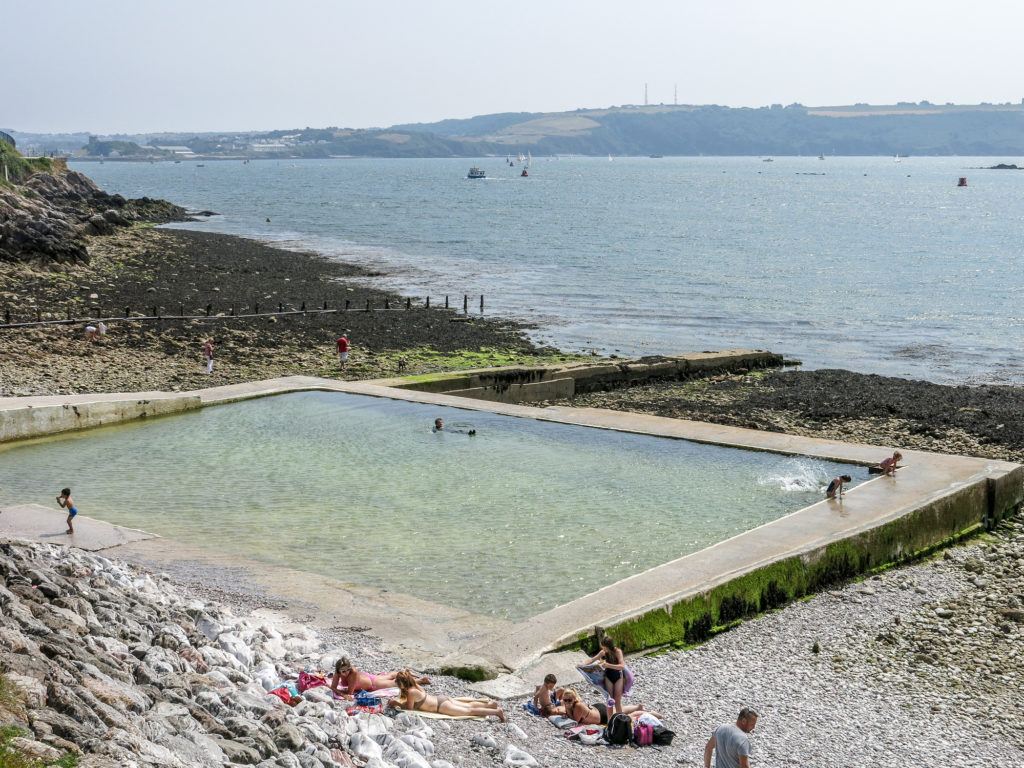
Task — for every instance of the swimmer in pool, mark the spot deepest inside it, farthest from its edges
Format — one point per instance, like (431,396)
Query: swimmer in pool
(65,501)
(439,427)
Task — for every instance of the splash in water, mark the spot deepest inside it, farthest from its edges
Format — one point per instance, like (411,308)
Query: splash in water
(799,475)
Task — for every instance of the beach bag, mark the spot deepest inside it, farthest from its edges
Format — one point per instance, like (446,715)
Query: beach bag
(590,735)
(619,729)
(365,699)
(307,681)
(643,734)
(662,736)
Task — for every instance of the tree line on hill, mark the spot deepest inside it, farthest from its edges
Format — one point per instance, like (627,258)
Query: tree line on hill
(905,129)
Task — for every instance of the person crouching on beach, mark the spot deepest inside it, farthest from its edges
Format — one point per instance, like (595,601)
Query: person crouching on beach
(835,488)
(414,698)
(64,500)
(891,464)
(548,699)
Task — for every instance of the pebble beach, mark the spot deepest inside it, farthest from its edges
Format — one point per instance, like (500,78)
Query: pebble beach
(917,665)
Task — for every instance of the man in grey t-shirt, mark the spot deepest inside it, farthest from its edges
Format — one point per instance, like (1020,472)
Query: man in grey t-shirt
(730,743)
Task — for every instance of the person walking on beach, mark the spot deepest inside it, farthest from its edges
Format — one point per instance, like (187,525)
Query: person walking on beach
(343,350)
(208,355)
(64,500)
(835,488)
(731,743)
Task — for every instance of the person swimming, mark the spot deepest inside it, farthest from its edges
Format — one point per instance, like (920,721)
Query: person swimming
(439,427)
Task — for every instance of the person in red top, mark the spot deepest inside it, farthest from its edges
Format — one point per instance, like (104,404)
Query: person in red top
(343,351)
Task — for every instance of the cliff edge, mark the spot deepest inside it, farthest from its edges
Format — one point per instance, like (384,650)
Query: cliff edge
(47,212)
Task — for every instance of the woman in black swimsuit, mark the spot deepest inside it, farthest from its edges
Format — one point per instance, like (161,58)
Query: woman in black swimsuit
(415,698)
(613,662)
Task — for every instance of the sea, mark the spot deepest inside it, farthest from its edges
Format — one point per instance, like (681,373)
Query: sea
(873,264)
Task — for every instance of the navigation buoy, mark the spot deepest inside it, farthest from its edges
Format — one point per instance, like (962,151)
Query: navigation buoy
(962,182)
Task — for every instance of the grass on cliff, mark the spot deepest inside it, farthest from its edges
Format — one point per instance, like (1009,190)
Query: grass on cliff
(12,701)
(19,168)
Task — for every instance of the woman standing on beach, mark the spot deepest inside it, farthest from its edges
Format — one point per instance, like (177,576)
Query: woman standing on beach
(414,698)
(613,663)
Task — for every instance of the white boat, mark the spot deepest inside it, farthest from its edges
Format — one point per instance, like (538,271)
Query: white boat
(609,158)
(896,159)
(476,173)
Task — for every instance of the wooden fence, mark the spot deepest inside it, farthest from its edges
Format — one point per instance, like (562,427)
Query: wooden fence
(10,320)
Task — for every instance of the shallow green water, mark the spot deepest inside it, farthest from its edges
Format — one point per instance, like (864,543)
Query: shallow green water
(522,517)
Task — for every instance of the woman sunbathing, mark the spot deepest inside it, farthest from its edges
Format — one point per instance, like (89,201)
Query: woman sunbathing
(596,714)
(415,698)
(353,680)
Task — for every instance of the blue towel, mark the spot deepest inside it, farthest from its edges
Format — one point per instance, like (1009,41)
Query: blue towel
(528,706)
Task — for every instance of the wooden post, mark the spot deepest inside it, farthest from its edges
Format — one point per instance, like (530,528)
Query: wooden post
(446,302)
(408,302)
(303,306)
(7,315)
(368,306)
(428,302)
(69,310)
(181,310)
(465,304)
(155,314)
(232,310)
(346,305)
(209,309)
(128,311)
(280,307)
(39,315)
(255,309)
(387,303)
(481,303)
(325,306)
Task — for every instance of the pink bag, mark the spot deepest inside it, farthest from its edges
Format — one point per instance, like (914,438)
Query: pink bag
(307,681)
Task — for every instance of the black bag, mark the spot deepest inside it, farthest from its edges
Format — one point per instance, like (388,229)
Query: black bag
(619,729)
(662,736)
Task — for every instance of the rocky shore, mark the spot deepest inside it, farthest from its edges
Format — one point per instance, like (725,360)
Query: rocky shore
(164,271)
(916,666)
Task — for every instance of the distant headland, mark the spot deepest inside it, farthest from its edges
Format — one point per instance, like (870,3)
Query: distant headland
(904,129)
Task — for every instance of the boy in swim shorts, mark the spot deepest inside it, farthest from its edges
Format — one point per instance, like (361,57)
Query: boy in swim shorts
(65,501)
(547,698)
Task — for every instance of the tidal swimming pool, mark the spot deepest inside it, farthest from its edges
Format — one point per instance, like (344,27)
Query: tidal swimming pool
(523,516)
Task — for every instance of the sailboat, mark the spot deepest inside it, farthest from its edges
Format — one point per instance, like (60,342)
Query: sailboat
(609,158)
(897,158)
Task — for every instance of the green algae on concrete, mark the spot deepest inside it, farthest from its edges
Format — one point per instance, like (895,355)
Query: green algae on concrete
(927,529)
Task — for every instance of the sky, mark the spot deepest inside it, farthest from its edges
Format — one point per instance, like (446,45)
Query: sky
(137,66)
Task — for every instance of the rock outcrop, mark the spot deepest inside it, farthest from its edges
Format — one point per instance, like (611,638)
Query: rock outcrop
(50,216)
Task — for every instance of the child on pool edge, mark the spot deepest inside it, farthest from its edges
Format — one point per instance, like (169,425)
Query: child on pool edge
(64,500)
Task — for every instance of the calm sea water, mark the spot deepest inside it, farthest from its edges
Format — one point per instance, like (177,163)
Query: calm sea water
(859,263)
(519,518)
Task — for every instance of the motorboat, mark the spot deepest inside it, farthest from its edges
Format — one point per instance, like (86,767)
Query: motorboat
(476,173)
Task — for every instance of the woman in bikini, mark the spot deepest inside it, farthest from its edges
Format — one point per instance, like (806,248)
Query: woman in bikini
(414,698)
(596,714)
(613,663)
(353,680)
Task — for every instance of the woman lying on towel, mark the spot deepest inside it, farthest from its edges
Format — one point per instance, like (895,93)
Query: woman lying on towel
(415,698)
(598,713)
(353,680)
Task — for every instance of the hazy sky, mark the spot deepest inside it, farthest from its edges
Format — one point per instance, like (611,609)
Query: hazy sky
(109,66)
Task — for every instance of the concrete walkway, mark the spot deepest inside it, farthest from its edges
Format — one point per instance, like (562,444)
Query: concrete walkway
(33,522)
(419,627)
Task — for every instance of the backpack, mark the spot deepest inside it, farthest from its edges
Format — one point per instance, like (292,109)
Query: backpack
(643,734)
(619,729)
(662,736)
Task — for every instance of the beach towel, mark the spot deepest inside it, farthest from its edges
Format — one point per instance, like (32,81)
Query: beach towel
(375,709)
(595,674)
(380,693)
(307,681)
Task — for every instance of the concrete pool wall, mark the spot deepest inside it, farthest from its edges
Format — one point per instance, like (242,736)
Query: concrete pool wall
(935,500)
